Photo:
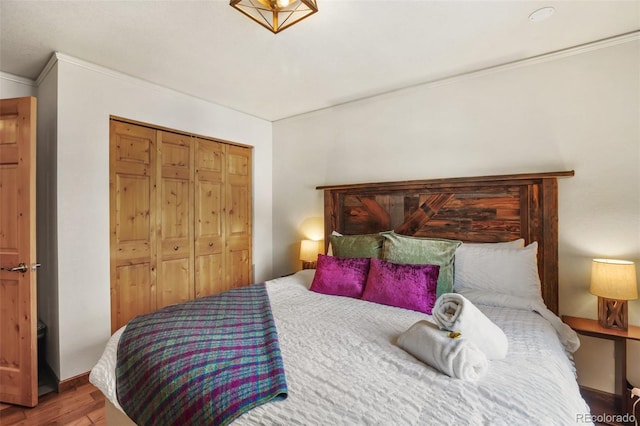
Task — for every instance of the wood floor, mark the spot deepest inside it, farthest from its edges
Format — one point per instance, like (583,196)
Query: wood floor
(78,406)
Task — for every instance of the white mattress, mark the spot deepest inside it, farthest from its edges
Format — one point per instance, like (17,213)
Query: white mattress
(343,367)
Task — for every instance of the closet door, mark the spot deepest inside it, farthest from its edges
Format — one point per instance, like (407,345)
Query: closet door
(209,222)
(132,181)
(175,281)
(181,213)
(238,216)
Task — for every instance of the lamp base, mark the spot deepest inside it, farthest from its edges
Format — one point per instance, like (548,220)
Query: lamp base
(613,313)
(308,264)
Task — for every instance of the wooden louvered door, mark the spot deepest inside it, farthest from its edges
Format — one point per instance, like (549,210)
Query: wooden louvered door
(180,218)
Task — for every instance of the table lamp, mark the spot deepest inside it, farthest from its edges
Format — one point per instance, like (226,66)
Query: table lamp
(614,282)
(309,250)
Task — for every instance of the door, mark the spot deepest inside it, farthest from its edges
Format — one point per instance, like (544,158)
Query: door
(238,217)
(209,221)
(18,315)
(181,212)
(132,182)
(175,210)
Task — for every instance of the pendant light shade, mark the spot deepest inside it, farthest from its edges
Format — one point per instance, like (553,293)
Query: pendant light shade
(276,15)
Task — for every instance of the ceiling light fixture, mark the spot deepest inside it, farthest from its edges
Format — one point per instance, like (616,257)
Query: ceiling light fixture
(276,15)
(541,14)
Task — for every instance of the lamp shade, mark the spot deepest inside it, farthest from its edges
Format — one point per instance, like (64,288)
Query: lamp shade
(276,15)
(614,279)
(309,250)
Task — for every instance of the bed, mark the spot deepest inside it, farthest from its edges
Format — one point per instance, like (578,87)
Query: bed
(341,355)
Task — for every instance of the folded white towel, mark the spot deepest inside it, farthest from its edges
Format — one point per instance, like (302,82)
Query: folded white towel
(456,357)
(452,311)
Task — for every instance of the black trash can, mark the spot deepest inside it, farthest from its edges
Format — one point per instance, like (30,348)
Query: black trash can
(42,339)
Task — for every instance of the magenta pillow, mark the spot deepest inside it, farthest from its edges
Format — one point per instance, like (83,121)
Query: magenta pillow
(404,286)
(340,276)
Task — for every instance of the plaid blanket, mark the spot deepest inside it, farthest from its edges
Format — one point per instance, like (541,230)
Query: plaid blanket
(203,362)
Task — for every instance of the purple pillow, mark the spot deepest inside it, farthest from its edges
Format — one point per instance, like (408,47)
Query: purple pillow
(340,276)
(404,286)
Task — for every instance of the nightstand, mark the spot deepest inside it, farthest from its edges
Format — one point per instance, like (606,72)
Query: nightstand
(590,327)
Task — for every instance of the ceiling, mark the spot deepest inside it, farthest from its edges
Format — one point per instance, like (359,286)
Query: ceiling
(349,50)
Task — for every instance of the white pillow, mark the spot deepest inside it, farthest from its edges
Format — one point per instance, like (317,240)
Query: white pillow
(330,249)
(498,269)
(519,243)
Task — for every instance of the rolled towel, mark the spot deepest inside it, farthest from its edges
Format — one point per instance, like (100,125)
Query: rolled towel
(454,356)
(452,311)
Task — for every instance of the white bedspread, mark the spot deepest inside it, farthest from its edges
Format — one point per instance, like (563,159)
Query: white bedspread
(343,368)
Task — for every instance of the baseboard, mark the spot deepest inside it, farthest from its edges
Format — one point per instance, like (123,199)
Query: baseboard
(73,382)
(603,399)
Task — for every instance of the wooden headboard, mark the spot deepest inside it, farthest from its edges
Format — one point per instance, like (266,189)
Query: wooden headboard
(470,209)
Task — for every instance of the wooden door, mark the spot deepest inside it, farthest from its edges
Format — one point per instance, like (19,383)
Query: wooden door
(238,216)
(181,213)
(175,280)
(132,180)
(18,312)
(209,218)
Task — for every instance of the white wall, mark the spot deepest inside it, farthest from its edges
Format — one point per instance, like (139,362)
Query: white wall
(13,86)
(578,110)
(47,213)
(87,96)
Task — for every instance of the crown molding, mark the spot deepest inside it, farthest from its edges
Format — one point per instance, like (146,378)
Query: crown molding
(558,54)
(533,60)
(538,59)
(53,60)
(520,63)
(58,57)
(17,79)
(61,57)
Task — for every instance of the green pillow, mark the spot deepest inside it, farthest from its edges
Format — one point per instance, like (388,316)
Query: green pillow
(357,246)
(413,250)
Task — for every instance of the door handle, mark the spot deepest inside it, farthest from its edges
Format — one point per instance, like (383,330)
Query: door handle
(22,267)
